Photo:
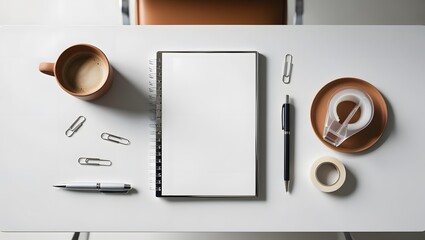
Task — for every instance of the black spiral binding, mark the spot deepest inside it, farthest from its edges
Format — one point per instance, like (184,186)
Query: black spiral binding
(158,115)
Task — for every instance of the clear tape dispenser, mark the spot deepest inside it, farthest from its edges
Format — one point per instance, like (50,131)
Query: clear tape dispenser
(335,132)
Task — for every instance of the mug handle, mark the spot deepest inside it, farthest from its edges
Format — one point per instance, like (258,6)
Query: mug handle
(47,68)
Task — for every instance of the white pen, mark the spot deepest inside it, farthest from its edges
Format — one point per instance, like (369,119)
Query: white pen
(95,186)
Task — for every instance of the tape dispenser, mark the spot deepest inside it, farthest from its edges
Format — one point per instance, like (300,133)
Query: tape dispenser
(335,132)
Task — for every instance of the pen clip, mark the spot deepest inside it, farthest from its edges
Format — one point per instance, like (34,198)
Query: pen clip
(283,116)
(285,110)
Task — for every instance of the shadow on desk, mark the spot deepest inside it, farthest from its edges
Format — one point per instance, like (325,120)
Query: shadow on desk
(387,132)
(351,183)
(349,186)
(125,96)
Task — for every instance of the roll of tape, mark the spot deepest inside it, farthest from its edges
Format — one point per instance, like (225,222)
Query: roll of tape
(328,174)
(358,97)
(336,132)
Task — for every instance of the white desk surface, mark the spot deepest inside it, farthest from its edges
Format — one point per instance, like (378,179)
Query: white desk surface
(384,190)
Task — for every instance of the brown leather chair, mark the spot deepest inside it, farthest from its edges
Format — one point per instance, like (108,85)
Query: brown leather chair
(181,12)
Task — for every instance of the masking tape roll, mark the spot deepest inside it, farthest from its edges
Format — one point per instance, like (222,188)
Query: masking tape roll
(322,169)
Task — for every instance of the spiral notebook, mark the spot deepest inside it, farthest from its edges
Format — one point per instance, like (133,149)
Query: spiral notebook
(206,118)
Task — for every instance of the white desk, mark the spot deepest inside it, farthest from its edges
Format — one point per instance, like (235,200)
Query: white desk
(383,191)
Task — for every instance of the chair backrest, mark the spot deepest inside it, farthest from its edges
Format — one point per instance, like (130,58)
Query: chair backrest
(157,12)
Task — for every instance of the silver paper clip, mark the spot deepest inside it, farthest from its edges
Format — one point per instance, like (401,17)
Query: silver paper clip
(115,139)
(94,161)
(75,126)
(287,69)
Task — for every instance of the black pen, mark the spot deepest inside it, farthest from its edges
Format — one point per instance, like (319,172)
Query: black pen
(286,131)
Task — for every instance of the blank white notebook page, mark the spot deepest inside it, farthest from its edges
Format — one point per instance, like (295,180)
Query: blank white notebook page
(209,124)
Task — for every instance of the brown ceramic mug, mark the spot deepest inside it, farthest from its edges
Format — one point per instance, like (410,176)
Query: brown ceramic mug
(81,70)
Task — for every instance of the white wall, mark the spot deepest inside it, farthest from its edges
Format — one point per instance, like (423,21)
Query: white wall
(364,12)
(60,12)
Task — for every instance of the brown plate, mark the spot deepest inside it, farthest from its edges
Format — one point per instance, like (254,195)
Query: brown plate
(363,139)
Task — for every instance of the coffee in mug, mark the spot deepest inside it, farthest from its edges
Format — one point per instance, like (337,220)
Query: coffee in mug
(82,71)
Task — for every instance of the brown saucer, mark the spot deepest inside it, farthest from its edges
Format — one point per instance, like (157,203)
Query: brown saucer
(363,139)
